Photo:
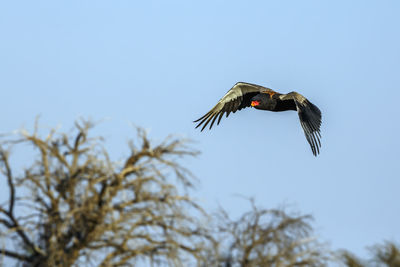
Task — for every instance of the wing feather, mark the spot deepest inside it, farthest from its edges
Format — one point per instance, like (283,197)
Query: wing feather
(228,108)
(310,119)
(237,98)
(220,116)
(215,117)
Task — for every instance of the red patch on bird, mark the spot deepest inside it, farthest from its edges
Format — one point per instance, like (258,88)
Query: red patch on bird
(255,103)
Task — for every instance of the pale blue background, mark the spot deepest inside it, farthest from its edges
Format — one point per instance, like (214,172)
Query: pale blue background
(162,64)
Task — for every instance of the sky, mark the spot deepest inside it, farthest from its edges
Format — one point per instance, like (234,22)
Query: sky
(162,64)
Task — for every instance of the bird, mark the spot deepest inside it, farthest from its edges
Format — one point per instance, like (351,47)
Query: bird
(243,95)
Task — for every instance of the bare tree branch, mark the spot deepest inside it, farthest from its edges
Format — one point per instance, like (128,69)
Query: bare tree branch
(77,206)
(386,254)
(8,174)
(264,237)
(91,206)
(14,255)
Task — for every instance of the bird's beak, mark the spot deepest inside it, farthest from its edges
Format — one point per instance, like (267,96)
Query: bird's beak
(255,103)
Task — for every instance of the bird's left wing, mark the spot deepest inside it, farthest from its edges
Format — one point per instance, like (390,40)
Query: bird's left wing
(310,119)
(237,98)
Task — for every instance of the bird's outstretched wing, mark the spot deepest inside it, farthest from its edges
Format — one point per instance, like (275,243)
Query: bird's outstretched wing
(310,119)
(237,98)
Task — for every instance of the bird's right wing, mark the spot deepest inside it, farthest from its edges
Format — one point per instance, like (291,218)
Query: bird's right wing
(310,119)
(237,98)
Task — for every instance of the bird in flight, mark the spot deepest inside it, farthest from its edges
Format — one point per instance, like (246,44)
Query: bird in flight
(243,95)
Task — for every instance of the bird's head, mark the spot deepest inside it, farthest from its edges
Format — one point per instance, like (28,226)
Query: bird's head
(258,101)
(255,103)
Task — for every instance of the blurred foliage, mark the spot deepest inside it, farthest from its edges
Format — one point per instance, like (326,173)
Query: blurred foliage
(266,237)
(386,254)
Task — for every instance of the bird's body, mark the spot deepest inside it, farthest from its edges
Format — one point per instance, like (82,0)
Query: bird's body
(272,102)
(243,95)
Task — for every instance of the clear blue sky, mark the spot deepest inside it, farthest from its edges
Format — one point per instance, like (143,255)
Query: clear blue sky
(162,64)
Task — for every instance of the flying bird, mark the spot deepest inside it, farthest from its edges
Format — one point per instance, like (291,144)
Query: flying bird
(243,95)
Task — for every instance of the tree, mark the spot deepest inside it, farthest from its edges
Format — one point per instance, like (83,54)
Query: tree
(386,254)
(266,237)
(80,207)
(73,206)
